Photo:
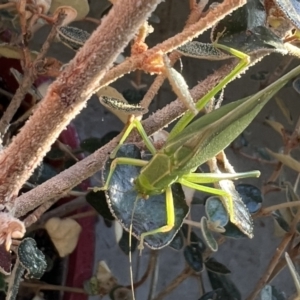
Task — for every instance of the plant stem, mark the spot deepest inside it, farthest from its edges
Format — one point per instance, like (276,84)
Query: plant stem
(272,264)
(51,287)
(187,272)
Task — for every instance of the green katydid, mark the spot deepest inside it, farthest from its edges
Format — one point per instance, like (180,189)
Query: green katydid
(191,145)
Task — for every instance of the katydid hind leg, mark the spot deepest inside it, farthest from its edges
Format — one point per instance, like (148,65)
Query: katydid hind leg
(228,203)
(170,216)
(204,178)
(242,65)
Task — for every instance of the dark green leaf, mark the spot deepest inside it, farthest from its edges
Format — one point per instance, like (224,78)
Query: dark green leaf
(280,220)
(218,294)
(178,241)
(214,266)
(207,235)
(98,201)
(194,238)
(193,257)
(108,137)
(148,214)
(251,196)
(134,96)
(42,173)
(124,243)
(233,231)
(219,281)
(296,85)
(91,144)
(259,76)
(31,258)
(55,154)
(215,211)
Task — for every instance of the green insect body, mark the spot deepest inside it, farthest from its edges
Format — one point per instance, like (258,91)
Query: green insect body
(193,145)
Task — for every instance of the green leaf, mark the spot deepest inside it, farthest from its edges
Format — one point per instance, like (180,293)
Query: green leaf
(214,266)
(278,127)
(218,294)
(98,201)
(178,241)
(134,96)
(251,196)
(148,214)
(216,211)
(200,50)
(233,231)
(193,257)
(42,173)
(207,235)
(287,160)
(91,144)
(219,281)
(296,85)
(284,109)
(31,258)
(277,215)
(259,76)
(124,243)
(194,238)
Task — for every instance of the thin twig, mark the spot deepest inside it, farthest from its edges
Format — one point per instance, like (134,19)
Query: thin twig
(272,264)
(27,81)
(58,212)
(187,272)
(51,287)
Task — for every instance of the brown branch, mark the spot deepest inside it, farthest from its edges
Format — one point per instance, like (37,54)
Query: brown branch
(212,17)
(51,287)
(57,186)
(272,264)
(68,94)
(187,272)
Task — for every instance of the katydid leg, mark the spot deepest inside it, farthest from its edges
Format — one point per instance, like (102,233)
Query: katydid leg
(135,123)
(170,210)
(188,116)
(216,177)
(120,161)
(228,202)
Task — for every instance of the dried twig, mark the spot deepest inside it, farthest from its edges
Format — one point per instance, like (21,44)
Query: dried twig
(187,272)
(28,79)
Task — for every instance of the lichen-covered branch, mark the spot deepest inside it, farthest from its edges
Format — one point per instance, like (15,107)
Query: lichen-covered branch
(68,95)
